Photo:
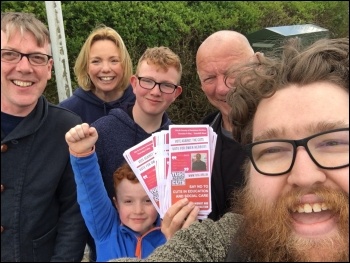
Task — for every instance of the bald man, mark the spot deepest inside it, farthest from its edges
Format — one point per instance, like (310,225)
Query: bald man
(218,53)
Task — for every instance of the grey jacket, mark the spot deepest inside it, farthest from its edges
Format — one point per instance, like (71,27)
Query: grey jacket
(205,241)
(40,217)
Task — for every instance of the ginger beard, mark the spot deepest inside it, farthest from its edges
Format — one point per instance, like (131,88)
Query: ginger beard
(267,231)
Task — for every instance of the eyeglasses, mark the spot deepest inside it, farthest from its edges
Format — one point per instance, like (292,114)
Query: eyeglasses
(13,57)
(328,150)
(164,87)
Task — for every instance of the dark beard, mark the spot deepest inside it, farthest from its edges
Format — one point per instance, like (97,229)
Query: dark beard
(267,233)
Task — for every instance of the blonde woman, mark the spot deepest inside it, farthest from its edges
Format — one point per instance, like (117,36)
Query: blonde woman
(103,69)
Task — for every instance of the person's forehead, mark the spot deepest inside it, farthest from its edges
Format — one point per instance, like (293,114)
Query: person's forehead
(221,63)
(102,44)
(157,72)
(125,185)
(215,65)
(295,110)
(24,42)
(148,66)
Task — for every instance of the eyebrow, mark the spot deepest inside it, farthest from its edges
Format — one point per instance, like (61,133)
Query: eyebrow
(313,128)
(269,135)
(152,78)
(99,57)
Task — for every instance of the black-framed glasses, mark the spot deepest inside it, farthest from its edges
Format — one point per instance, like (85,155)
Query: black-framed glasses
(328,150)
(164,87)
(13,57)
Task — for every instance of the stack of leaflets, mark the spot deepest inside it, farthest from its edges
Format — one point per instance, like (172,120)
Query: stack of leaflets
(176,164)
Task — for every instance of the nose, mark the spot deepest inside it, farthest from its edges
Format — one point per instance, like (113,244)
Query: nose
(156,90)
(138,208)
(221,87)
(305,172)
(23,65)
(105,66)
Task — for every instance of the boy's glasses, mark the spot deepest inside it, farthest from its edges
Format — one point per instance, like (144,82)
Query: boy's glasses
(328,150)
(164,87)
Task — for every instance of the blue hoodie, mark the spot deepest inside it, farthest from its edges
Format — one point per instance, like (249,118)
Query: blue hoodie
(112,239)
(90,107)
(118,132)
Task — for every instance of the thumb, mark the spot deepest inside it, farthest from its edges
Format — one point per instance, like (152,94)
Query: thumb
(93,132)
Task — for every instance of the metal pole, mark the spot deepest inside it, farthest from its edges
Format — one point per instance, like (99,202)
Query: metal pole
(59,50)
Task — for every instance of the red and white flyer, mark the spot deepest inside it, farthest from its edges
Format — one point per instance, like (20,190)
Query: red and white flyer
(176,164)
(141,159)
(191,150)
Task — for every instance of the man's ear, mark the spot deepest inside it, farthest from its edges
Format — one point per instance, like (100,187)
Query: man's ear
(133,81)
(178,91)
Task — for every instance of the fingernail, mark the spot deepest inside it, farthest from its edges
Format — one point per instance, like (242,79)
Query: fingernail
(190,204)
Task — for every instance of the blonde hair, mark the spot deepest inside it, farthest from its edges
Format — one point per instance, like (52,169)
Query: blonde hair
(163,57)
(81,64)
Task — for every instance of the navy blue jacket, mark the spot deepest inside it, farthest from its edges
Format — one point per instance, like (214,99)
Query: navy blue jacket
(118,132)
(90,107)
(40,215)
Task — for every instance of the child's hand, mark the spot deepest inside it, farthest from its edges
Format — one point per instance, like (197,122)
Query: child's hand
(180,215)
(81,138)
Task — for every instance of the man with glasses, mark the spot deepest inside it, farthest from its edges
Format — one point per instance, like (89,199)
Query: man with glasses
(156,85)
(292,116)
(40,217)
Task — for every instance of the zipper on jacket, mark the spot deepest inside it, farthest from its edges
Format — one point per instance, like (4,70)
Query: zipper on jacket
(138,251)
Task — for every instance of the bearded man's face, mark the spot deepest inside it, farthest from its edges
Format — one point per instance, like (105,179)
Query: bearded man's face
(294,209)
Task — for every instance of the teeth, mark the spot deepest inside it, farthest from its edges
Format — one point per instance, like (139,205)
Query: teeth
(324,206)
(22,83)
(309,208)
(106,78)
(317,207)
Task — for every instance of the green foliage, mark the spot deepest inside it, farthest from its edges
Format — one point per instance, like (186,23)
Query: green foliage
(182,26)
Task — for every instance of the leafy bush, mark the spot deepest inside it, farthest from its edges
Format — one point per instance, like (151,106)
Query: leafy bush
(182,26)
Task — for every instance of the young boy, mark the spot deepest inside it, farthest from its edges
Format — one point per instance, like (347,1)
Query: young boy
(133,228)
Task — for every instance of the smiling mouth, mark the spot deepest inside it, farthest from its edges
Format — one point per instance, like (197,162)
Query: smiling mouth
(138,219)
(22,83)
(309,208)
(313,217)
(106,78)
